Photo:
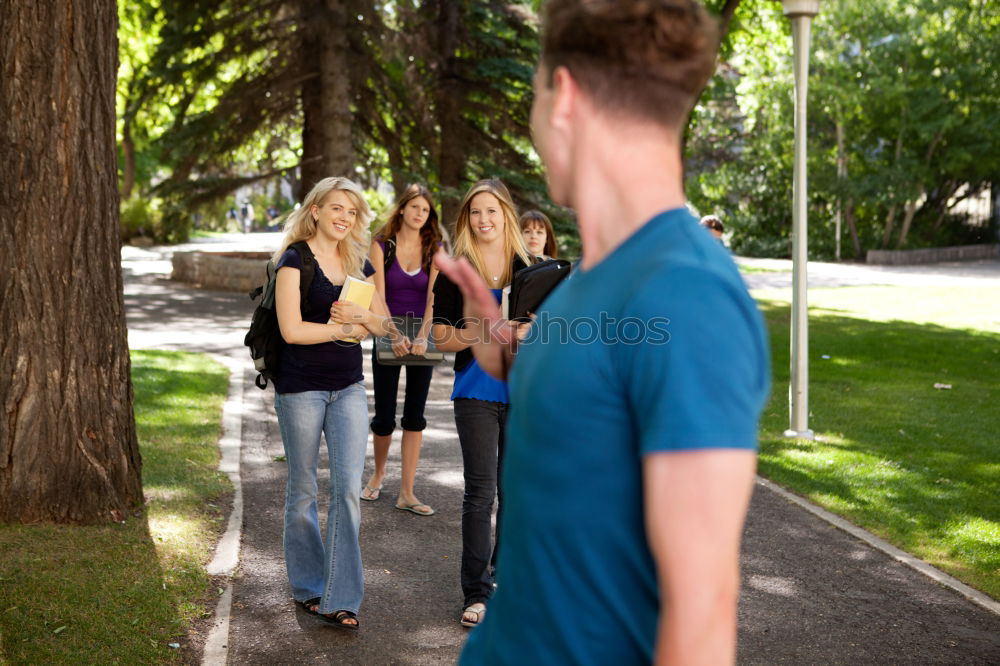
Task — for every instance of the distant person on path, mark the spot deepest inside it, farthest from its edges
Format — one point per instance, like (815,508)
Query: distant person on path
(487,236)
(631,440)
(714,226)
(248,217)
(412,236)
(320,391)
(539,237)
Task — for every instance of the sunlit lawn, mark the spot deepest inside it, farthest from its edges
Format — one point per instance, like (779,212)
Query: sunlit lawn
(121,594)
(747,268)
(197,234)
(917,465)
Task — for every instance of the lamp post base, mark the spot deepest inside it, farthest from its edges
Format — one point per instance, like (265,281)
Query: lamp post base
(800,434)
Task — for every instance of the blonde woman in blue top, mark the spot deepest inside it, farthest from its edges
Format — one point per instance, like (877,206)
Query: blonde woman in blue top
(488,236)
(320,391)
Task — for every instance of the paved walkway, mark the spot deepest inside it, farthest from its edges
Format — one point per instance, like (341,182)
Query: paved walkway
(812,593)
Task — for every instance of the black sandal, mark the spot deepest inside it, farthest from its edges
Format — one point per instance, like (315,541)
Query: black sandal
(339,620)
(310,606)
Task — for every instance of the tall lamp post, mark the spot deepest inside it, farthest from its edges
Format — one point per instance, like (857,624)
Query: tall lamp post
(800,13)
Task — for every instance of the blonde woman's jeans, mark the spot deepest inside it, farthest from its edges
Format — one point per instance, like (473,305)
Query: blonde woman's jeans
(331,568)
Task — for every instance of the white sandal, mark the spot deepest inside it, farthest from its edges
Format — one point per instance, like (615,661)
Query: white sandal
(479,610)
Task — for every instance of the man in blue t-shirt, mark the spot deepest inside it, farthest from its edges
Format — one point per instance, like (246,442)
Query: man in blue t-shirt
(636,394)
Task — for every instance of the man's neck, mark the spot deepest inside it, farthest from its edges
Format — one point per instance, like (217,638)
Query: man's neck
(623,179)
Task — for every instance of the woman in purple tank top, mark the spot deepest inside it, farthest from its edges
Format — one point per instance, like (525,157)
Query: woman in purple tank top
(412,235)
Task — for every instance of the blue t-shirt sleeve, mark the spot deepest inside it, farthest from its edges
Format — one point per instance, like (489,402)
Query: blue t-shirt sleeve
(369,270)
(699,377)
(291,259)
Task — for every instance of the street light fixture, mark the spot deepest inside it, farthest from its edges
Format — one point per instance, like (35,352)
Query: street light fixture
(800,13)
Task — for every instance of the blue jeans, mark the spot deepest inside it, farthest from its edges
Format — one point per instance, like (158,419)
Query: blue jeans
(480,425)
(330,570)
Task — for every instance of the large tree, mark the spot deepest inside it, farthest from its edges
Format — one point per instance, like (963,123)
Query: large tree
(229,92)
(68,449)
(451,101)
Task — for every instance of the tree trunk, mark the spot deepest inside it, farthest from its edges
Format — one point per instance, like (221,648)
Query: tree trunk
(448,104)
(726,16)
(845,206)
(890,218)
(852,227)
(909,212)
(911,206)
(326,96)
(841,184)
(68,449)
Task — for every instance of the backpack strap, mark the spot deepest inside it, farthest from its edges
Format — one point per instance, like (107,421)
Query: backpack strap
(389,250)
(306,273)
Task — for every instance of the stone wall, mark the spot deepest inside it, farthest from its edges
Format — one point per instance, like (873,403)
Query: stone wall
(932,255)
(223,271)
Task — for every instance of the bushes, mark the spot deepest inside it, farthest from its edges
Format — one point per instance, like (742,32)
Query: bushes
(157,219)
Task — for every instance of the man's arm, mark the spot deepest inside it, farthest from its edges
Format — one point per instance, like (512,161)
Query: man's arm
(695,506)
(296,331)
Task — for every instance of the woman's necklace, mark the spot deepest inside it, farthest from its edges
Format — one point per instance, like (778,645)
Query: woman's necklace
(496,278)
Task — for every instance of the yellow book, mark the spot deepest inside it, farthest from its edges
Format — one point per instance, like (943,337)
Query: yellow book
(359,292)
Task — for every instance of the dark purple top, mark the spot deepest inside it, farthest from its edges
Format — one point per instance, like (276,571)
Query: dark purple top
(405,294)
(327,366)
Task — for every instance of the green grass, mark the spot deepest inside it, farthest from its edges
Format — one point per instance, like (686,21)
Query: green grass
(747,268)
(119,594)
(916,465)
(205,233)
(951,307)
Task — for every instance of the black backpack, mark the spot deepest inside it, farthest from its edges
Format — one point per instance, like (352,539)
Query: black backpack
(264,337)
(390,253)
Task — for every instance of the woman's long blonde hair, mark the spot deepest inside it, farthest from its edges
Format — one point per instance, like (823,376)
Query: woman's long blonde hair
(300,225)
(465,239)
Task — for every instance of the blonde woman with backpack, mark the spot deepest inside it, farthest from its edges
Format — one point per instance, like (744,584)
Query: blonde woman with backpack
(319,391)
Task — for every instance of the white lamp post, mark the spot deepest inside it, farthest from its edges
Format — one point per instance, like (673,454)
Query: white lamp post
(800,13)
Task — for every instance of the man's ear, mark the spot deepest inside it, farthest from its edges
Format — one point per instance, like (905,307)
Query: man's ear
(565,97)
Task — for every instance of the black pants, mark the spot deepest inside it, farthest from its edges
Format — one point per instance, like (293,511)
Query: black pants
(386,380)
(480,426)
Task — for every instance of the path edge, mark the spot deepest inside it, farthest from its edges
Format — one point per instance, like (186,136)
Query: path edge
(227,551)
(878,543)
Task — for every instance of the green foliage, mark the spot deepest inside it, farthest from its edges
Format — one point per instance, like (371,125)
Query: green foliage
(139,217)
(120,594)
(914,464)
(212,91)
(910,88)
(175,224)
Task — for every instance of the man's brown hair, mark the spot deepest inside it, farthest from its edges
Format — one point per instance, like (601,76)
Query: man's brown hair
(647,58)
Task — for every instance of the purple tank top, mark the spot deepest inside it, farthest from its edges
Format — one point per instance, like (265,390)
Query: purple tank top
(405,294)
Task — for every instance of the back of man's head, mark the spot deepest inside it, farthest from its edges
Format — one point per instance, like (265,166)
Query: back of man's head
(649,59)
